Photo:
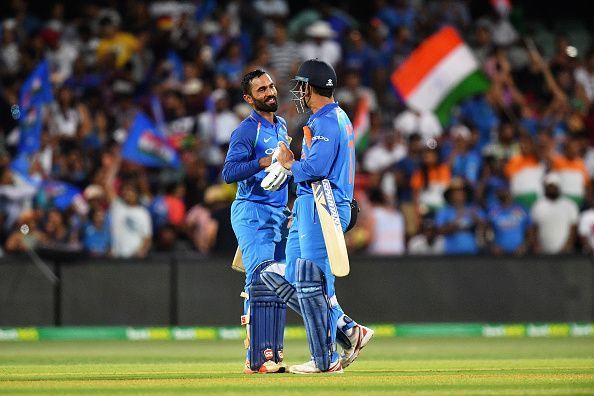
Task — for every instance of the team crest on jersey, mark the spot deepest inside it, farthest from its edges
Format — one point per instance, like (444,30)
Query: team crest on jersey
(268,354)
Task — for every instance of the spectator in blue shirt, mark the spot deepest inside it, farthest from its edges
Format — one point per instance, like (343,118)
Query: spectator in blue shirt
(403,172)
(97,234)
(231,65)
(511,226)
(465,161)
(492,180)
(461,220)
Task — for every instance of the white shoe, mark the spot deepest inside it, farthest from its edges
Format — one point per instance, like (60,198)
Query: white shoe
(311,368)
(359,337)
(269,367)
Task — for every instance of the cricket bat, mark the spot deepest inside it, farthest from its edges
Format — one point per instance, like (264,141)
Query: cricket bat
(237,263)
(331,227)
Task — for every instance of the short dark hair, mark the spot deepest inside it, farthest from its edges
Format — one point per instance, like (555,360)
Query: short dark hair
(414,137)
(247,80)
(326,92)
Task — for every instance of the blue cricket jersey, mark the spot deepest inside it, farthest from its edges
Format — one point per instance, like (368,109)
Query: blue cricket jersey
(328,153)
(253,139)
(510,225)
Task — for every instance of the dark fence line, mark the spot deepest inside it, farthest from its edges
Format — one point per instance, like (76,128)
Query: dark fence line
(178,290)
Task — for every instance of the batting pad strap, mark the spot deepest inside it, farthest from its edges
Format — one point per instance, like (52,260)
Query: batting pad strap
(333,301)
(277,268)
(288,293)
(282,288)
(315,311)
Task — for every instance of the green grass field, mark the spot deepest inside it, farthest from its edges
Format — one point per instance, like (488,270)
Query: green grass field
(433,366)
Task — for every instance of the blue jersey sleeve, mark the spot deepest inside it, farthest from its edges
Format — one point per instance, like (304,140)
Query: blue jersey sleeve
(319,158)
(482,216)
(240,163)
(473,167)
(442,217)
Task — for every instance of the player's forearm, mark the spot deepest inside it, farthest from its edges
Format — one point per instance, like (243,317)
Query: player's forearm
(236,171)
(308,170)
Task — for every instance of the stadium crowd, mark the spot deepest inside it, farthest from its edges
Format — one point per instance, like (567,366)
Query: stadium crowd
(510,173)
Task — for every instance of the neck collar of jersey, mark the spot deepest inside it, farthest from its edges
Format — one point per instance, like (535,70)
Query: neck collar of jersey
(327,108)
(262,120)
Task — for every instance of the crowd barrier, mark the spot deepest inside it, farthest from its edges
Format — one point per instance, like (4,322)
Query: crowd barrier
(203,291)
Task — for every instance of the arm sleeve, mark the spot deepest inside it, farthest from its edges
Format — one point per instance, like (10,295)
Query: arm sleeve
(147,225)
(441,217)
(473,168)
(535,213)
(238,165)
(319,160)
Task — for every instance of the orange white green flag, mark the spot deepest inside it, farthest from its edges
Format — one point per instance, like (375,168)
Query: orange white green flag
(439,73)
(362,123)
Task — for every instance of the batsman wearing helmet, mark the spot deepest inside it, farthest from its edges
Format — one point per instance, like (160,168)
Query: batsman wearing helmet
(258,218)
(328,153)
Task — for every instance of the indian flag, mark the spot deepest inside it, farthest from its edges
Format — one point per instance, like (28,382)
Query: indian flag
(441,72)
(362,123)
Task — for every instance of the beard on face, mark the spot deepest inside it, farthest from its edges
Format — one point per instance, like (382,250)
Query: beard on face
(261,105)
(552,194)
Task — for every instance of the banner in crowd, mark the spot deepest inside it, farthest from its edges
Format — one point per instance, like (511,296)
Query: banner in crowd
(362,123)
(35,92)
(441,72)
(37,89)
(20,166)
(146,145)
(157,110)
(61,194)
(30,130)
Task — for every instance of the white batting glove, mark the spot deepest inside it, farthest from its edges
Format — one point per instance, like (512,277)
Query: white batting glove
(275,154)
(276,177)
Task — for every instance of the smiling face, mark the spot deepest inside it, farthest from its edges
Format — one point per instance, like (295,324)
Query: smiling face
(263,94)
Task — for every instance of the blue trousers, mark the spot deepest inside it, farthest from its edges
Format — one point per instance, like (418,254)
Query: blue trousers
(306,241)
(261,232)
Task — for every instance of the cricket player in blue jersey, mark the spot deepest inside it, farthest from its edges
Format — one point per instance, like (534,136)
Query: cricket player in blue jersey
(328,153)
(258,218)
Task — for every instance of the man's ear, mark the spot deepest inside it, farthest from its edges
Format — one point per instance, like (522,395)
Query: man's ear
(248,99)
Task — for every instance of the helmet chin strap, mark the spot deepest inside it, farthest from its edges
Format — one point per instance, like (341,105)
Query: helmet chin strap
(305,100)
(299,92)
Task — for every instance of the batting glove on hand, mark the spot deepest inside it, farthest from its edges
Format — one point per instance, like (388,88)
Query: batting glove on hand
(276,177)
(275,154)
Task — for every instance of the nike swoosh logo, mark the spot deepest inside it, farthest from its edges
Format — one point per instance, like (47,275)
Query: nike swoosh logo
(266,140)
